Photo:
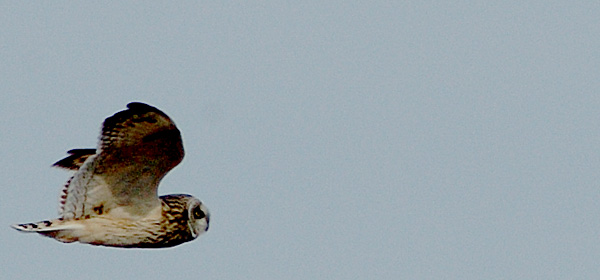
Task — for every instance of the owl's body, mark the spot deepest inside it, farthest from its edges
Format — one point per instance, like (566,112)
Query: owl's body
(111,200)
(166,226)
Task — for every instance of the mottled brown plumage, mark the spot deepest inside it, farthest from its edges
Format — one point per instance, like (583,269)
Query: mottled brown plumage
(112,199)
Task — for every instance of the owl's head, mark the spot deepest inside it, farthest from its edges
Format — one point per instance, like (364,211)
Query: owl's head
(198,217)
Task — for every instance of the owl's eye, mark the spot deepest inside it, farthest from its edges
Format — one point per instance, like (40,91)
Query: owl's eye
(198,213)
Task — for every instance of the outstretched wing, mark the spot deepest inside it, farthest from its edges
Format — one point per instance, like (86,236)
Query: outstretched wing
(138,146)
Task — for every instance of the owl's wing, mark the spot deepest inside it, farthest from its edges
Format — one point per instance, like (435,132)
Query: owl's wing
(75,159)
(137,148)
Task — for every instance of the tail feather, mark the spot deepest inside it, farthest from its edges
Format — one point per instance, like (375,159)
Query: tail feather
(32,227)
(45,226)
(61,230)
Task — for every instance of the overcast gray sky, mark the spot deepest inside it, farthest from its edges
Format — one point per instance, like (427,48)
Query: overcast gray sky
(330,140)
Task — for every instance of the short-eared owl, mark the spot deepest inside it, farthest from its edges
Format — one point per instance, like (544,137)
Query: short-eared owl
(112,200)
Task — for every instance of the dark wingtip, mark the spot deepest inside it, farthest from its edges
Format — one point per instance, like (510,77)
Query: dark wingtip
(133,108)
(84,151)
(75,159)
(135,105)
(141,108)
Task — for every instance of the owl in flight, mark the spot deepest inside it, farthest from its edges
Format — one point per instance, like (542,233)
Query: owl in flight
(112,200)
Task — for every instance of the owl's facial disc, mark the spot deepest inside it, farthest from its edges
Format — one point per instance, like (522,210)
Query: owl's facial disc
(198,218)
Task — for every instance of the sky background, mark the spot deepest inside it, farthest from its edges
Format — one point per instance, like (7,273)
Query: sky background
(330,140)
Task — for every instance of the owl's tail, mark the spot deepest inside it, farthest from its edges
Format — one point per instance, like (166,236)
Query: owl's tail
(47,228)
(34,227)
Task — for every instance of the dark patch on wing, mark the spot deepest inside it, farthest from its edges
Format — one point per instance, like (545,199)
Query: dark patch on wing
(75,159)
(99,209)
(174,135)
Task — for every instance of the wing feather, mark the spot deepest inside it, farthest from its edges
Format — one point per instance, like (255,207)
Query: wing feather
(75,159)
(137,148)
